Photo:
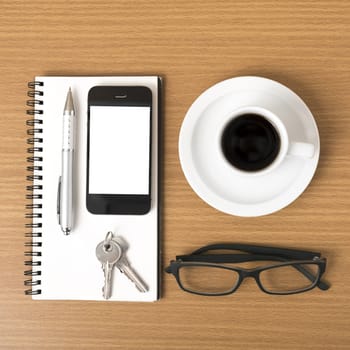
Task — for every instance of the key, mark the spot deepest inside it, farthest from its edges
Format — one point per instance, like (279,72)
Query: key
(124,266)
(108,253)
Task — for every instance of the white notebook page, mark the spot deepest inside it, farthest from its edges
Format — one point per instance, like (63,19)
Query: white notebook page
(70,269)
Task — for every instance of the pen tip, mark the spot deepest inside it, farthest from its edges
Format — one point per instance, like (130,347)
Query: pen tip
(69,106)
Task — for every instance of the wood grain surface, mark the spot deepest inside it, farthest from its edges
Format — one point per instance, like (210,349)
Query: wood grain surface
(192,44)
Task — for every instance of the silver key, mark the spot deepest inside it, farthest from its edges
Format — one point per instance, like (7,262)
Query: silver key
(124,266)
(108,252)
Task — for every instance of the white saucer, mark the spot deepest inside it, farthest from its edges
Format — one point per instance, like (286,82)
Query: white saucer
(213,180)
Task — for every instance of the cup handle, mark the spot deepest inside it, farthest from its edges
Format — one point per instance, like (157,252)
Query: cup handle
(301,149)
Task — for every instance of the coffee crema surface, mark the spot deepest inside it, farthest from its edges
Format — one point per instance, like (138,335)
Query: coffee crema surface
(250,142)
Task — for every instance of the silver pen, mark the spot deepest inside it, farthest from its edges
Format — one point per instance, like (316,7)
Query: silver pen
(65,185)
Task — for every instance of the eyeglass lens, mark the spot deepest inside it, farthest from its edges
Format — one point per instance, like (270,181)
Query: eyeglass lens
(289,278)
(207,279)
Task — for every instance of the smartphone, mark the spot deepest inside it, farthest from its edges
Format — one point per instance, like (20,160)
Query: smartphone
(119,149)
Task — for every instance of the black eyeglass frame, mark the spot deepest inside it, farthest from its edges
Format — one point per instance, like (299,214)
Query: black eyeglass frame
(286,257)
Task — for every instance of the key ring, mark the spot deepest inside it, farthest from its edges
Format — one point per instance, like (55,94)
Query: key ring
(107,241)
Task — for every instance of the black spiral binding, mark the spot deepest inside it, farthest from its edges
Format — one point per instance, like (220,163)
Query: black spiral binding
(34,190)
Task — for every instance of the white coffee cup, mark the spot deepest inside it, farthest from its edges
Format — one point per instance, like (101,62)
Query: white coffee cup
(285,144)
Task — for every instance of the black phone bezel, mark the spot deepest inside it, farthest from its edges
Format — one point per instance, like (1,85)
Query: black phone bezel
(119,204)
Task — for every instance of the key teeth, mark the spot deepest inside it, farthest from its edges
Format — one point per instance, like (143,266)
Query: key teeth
(142,290)
(105,296)
(136,280)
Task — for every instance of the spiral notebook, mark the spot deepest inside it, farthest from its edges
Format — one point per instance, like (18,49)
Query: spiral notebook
(63,267)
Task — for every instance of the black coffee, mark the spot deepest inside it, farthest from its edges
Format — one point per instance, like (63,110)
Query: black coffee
(250,142)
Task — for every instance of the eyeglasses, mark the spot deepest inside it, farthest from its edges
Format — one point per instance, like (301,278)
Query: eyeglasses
(206,273)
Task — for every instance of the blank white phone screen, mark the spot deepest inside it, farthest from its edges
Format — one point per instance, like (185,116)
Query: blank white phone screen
(119,150)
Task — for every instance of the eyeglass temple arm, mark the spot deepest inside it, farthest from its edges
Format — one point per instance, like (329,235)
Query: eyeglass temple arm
(235,258)
(256,249)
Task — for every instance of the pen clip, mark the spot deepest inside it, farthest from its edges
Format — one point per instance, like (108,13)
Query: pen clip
(59,201)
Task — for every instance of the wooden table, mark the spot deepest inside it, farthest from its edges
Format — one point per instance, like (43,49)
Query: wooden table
(192,44)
